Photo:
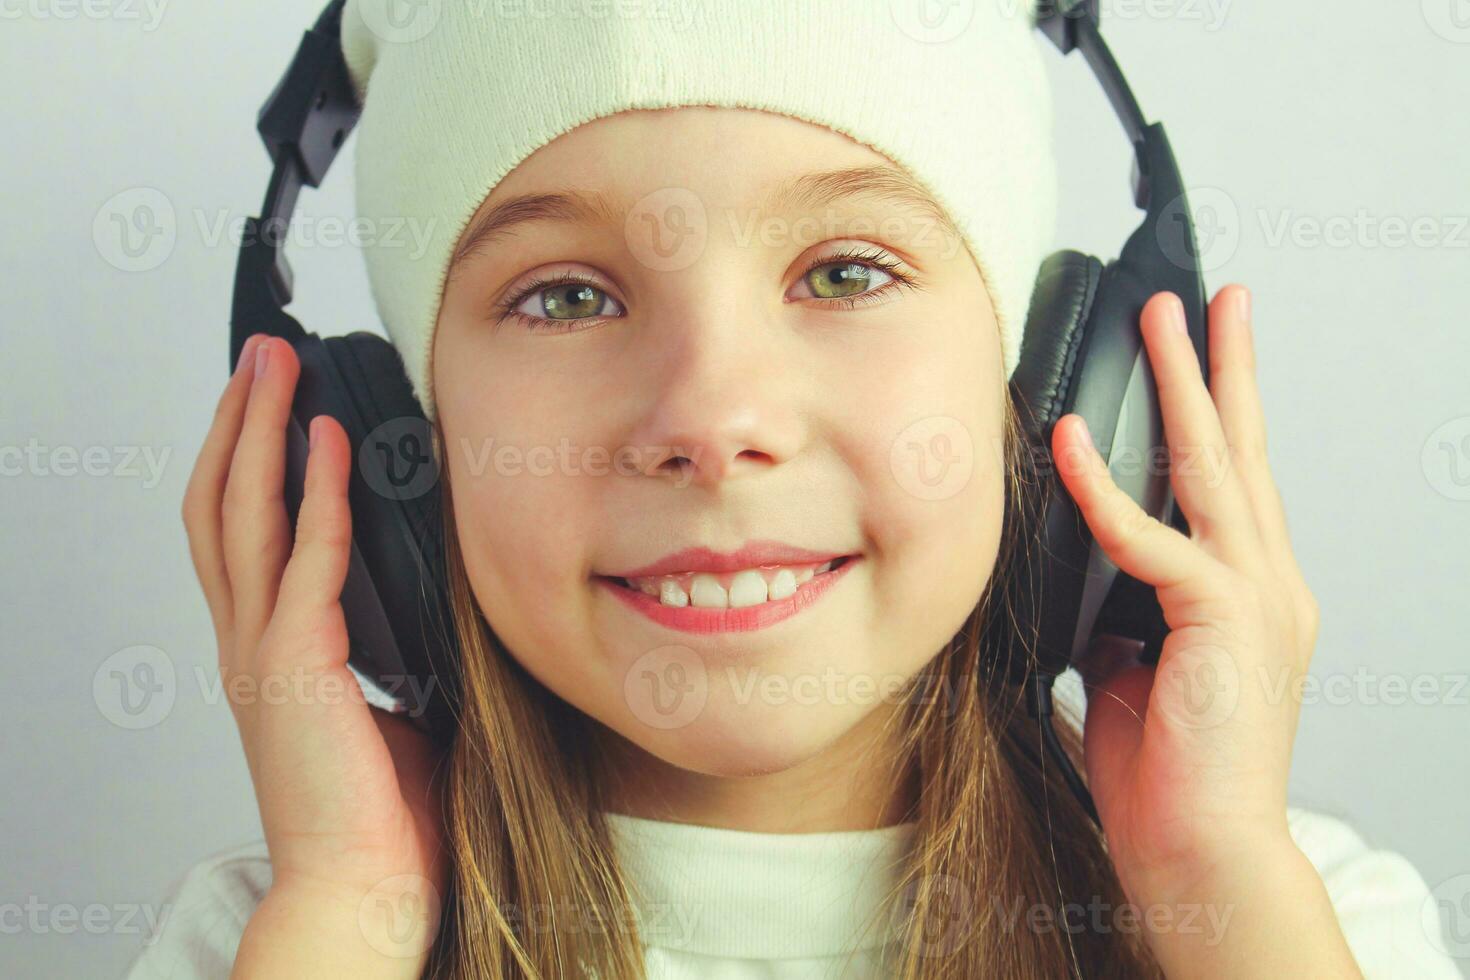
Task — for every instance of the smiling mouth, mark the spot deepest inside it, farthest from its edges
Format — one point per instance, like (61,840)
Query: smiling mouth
(759,586)
(764,607)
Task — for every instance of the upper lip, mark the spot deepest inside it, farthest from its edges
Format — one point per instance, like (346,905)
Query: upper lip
(751,555)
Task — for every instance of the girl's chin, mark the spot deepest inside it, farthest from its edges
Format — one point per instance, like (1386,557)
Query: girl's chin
(738,747)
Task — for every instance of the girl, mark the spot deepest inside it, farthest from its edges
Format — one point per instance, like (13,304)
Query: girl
(725,711)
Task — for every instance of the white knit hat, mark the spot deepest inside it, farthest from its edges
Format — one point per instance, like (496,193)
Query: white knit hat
(456,93)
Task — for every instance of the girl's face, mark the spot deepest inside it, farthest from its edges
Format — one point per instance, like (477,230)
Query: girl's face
(696,386)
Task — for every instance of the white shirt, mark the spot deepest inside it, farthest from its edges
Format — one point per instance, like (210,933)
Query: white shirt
(721,904)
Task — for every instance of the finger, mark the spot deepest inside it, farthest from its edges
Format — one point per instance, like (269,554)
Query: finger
(1204,481)
(1237,396)
(203,497)
(330,723)
(1135,541)
(257,535)
(311,585)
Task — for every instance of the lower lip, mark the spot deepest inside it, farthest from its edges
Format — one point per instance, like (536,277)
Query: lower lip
(693,619)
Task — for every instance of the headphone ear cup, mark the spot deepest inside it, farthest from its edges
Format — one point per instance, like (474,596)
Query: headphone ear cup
(1080,353)
(1056,323)
(396,596)
(1061,303)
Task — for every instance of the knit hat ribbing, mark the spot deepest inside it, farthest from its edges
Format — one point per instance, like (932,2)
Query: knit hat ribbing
(456,93)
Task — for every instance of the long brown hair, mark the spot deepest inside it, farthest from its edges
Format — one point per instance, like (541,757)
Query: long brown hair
(1000,842)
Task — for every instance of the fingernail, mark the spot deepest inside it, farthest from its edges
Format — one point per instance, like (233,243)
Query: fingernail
(1243,303)
(1176,314)
(262,354)
(311,435)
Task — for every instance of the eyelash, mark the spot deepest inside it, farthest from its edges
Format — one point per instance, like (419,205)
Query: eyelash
(870,256)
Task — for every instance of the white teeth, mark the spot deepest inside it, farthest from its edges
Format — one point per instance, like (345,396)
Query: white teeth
(783,585)
(707,593)
(747,588)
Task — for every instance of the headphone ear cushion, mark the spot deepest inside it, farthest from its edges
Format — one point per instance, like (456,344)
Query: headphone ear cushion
(397,520)
(375,377)
(379,386)
(1061,302)
(1056,325)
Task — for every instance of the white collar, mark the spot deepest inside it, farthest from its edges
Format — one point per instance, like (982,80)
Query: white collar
(746,894)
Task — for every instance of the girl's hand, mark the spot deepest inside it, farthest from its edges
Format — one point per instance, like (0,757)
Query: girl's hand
(1188,762)
(345,792)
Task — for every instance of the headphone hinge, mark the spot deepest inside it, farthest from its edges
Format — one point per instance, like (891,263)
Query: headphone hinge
(1058,20)
(312,109)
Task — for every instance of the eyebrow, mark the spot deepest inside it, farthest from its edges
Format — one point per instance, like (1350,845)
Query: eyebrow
(807,191)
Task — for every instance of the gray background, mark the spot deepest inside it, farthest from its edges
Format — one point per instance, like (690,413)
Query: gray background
(1298,113)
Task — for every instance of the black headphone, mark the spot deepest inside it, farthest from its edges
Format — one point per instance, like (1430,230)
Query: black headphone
(1082,352)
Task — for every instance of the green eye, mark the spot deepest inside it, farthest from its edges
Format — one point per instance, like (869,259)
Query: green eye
(572,301)
(834,280)
(854,277)
(565,300)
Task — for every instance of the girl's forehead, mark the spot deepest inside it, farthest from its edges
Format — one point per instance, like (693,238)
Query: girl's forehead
(802,207)
(753,164)
(721,150)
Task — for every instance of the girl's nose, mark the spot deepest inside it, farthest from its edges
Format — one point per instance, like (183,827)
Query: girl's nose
(720,402)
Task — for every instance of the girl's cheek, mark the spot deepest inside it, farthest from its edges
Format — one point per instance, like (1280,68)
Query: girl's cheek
(942,541)
(519,531)
(934,480)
